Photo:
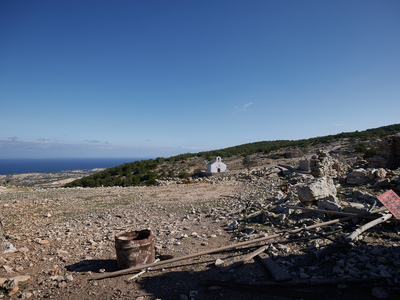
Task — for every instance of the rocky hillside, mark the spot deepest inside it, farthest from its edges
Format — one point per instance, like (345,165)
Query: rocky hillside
(346,146)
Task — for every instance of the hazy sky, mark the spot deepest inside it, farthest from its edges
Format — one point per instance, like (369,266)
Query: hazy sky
(160,78)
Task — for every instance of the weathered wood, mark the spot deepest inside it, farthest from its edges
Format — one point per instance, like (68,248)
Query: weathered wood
(276,271)
(245,259)
(140,273)
(217,250)
(320,253)
(338,213)
(349,238)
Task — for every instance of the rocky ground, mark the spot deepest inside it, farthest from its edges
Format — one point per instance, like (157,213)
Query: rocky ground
(64,237)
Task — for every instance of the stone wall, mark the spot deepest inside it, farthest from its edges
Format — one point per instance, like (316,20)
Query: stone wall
(323,164)
(388,153)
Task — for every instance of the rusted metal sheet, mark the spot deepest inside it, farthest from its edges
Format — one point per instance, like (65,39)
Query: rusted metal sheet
(134,248)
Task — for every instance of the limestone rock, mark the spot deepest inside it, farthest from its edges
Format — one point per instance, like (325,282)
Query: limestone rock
(319,189)
(380,173)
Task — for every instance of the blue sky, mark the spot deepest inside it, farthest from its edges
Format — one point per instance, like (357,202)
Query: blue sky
(160,78)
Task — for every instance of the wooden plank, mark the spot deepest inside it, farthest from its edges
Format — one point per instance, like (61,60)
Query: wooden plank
(320,253)
(245,259)
(276,271)
(365,227)
(338,213)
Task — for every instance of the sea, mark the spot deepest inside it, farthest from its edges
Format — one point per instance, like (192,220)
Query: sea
(47,165)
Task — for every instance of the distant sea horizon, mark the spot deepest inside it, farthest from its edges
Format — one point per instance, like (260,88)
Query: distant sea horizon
(48,165)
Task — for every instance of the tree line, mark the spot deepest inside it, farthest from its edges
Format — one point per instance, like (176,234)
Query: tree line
(145,171)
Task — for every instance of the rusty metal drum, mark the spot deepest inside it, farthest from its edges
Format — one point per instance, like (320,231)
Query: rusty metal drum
(134,248)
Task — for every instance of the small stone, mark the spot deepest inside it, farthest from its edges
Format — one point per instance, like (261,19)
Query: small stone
(340,263)
(385,274)
(69,278)
(183,297)
(22,278)
(26,295)
(193,294)
(303,275)
(379,293)
(7,247)
(219,262)
(233,225)
(8,269)
(382,260)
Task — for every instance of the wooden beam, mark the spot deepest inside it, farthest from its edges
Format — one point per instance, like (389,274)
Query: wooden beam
(338,213)
(276,271)
(320,253)
(245,259)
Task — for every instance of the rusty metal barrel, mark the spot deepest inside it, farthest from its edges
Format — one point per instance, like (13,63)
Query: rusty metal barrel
(134,248)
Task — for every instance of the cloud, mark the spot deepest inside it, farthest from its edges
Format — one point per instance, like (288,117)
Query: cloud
(95,142)
(238,109)
(14,138)
(43,140)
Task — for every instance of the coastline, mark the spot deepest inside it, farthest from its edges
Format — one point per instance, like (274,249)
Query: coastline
(45,180)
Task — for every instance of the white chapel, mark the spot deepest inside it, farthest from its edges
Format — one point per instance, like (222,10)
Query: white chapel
(216,166)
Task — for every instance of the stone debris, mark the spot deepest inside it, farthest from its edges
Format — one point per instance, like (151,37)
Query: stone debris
(318,189)
(64,236)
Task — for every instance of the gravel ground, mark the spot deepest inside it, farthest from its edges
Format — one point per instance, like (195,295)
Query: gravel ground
(64,237)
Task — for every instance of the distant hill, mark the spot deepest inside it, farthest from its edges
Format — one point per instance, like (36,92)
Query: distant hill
(185,165)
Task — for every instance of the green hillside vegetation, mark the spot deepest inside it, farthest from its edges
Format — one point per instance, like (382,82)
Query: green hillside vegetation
(147,171)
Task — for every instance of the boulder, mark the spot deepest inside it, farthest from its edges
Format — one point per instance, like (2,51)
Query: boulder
(329,204)
(382,182)
(361,173)
(380,173)
(318,189)
(357,176)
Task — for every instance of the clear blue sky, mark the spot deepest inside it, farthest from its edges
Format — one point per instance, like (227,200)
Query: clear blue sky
(160,78)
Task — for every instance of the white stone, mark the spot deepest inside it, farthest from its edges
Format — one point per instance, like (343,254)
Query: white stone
(319,189)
